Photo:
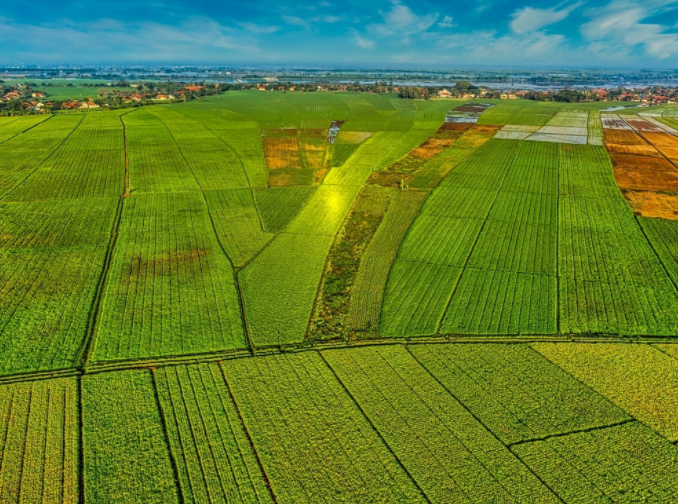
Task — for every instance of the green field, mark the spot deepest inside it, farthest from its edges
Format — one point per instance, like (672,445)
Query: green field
(209,302)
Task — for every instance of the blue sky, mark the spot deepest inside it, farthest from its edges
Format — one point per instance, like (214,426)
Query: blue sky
(347,33)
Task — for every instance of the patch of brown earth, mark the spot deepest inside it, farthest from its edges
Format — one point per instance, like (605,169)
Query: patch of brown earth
(624,137)
(282,153)
(646,180)
(641,163)
(652,204)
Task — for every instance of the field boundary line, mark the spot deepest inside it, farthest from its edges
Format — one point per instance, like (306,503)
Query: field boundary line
(376,431)
(560,167)
(236,281)
(44,160)
(81,444)
(249,436)
(163,421)
(576,431)
(84,354)
(481,423)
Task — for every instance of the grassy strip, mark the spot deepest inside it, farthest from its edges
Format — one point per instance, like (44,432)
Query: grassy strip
(332,304)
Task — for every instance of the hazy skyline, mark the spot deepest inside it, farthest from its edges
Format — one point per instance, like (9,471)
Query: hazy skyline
(389,33)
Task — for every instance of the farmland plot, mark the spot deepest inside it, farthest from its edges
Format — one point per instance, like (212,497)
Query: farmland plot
(278,206)
(626,463)
(171,289)
(314,443)
(156,164)
(125,451)
(13,126)
(90,163)
(51,258)
(515,392)
(213,163)
(429,262)
(237,223)
(663,237)
(242,136)
(23,154)
(215,461)
(368,288)
(39,449)
(605,288)
(638,378)
(284,278)
(413,413)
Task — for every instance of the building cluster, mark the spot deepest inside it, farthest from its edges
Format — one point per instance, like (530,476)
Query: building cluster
(20,99)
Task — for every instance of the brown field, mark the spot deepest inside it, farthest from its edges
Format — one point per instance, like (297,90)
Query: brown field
(614,123)
(661,139)
(638,150)
(641,163)
(457,126)
(652,204)
(646,180)
(643,125)
(623,137)
(282,153)
(434,146)
(670,152)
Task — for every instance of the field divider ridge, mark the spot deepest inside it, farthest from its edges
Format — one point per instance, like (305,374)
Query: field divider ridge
(84,354)
(576,431)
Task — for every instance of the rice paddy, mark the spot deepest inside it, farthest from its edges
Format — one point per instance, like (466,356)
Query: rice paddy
(338,297)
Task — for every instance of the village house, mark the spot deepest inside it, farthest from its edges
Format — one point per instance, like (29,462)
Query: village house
(12,95)
(88,105)
(70,105)
(163,97)
(193,89)
(444,93)
(38,95)
(261,87)
(135,97)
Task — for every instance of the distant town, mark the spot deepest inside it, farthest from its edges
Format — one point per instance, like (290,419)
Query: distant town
(36,90)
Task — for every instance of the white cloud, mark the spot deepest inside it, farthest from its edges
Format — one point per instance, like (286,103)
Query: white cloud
(255,28)
(488,47)
(619,27)
(400,20)
(363,42)
(446,22)
(529,19)
(295,21)
(196,39)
